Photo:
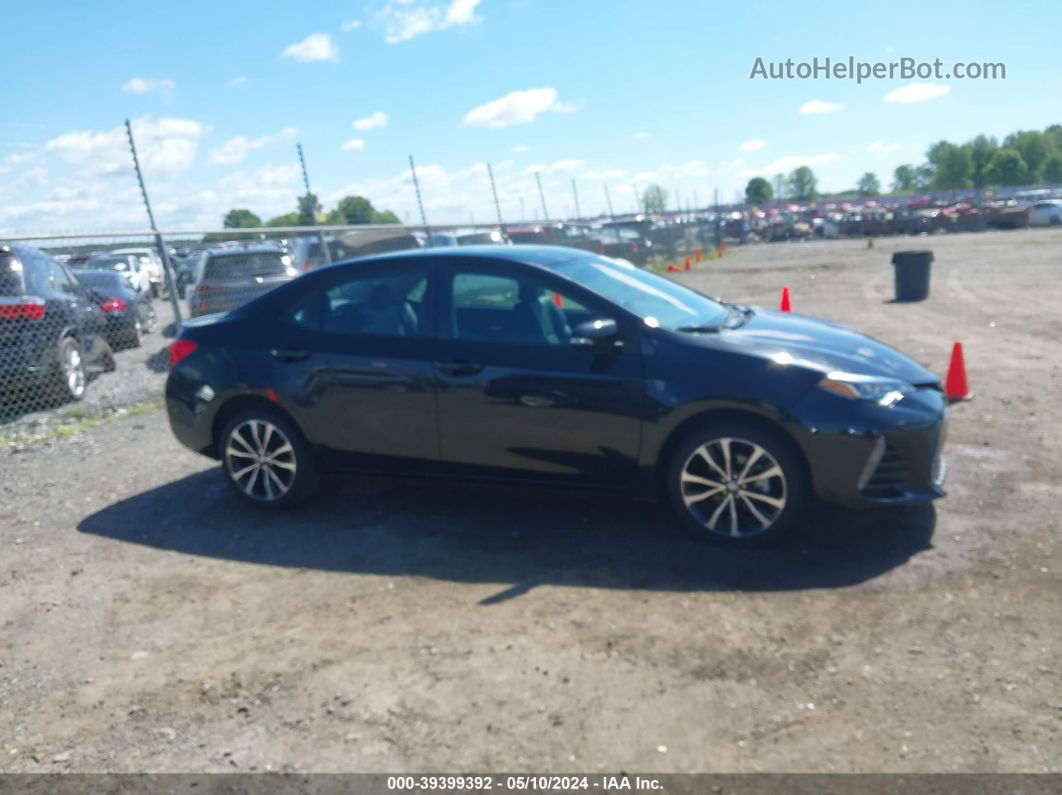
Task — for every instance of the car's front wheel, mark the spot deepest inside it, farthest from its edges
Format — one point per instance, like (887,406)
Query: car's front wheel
(266,459)
(737,483)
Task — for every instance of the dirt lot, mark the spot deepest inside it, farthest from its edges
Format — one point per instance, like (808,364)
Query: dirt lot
(150,622)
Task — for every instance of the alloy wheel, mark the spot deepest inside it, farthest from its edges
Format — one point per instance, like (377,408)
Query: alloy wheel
(260,459)
(73,370)
(733,487)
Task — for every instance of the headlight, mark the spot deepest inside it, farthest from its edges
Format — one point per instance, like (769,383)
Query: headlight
(882,390)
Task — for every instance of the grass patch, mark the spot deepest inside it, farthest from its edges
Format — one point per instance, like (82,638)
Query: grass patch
(75,419)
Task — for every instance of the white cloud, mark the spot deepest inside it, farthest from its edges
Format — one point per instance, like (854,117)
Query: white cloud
(376,121)
(817,106)
(785,164)
(353,24)
(405,19)
(353,145)
(881,146)
(315,47)
(164,145)
(752,145)
(605,173)
(237,81)
(917,92)
(234,150)
(14,158)
(692,168)
(144,85)
(640,136)
(521,149)
(516,107)
(565,165)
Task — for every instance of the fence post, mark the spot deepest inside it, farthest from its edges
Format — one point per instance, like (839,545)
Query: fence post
(167,269)
(324,248)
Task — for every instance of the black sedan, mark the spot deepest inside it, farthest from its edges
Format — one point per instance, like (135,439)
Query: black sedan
(129,313)
(557,365)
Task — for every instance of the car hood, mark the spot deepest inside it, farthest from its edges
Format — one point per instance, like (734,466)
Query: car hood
(821,344)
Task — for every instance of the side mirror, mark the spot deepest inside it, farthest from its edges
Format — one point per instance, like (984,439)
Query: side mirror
(599,333)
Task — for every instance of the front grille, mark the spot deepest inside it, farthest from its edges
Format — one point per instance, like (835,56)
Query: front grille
(890,476)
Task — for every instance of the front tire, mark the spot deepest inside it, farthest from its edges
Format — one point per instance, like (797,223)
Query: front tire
(266,460)
(737,483)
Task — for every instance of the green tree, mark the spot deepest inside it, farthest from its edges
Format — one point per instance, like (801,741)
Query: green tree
(868,185)
(1034,148)
(356,210)
(1007,167)
(951,166)
(385,217)
(241,219)
(905,178)
(287,219)
(1051,171)
(309,206)
(758,191)
(779,186)
(1054,135)
(654,199)
(802,184)
(981,150)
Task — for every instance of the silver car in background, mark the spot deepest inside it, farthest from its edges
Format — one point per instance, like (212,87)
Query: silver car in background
(227,278)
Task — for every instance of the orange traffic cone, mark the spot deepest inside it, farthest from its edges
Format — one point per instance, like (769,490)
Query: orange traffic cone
(558,300)
(696,255)
(687,262)
(671,268)
(719,251)
(955,386)
(785,305)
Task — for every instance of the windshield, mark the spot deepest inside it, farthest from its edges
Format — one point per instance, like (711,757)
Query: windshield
(658,301)
(106,281)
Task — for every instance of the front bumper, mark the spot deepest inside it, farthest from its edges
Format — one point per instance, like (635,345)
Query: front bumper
(861,454)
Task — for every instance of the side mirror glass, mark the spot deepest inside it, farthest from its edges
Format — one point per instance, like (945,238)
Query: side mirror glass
(598,333)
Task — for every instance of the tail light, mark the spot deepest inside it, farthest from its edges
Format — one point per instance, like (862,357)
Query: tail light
(114,305)
(310,264)
(29,308)
(180,349)
(634,247)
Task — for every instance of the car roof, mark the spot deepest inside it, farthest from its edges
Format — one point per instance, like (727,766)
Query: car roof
(545,257)
(235,251)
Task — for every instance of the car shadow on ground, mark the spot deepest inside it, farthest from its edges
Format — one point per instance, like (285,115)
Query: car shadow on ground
(521,536)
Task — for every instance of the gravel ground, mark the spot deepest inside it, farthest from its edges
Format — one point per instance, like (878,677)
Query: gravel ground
(151,622)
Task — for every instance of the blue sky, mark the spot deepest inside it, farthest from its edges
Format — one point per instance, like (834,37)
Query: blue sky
(628,92)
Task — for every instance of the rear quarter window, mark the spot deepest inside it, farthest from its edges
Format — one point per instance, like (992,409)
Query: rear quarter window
(10,275)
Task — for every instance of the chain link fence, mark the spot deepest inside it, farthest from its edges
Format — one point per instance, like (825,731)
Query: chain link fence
(86,320)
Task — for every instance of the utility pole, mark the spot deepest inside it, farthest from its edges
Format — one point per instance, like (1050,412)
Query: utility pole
(637,198)
(575,194)
(302,162)
(420,204)
(325,250)
(494,190)
(718,222)
(167,270)
(542,197)
(608,201)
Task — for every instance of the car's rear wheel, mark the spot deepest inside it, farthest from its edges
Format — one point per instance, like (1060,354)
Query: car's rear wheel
(266,459)
(737,483)
(132,336)
(150,322)
(70,375)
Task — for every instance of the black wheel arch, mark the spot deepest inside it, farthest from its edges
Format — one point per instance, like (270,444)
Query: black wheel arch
(237,405)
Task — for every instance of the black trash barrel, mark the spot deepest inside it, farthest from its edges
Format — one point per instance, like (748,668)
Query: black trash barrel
(912,274)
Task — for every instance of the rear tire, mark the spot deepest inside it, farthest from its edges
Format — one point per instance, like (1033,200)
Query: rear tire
(70,378)
(737,483)
(266,460)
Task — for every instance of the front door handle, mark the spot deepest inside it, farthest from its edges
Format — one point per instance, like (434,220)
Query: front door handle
(460,368)
(290,354)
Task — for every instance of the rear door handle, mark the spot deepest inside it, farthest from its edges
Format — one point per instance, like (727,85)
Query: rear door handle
(460,368)
(289,354)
